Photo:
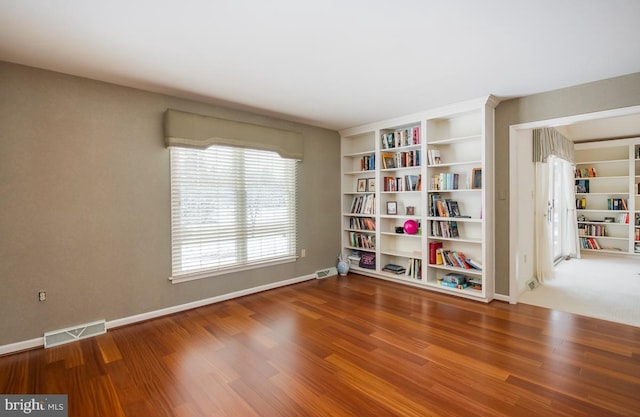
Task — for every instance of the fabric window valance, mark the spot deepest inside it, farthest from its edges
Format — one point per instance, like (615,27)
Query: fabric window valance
(197,131)
(549,142)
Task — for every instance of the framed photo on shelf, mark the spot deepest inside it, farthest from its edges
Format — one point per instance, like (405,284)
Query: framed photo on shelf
(362,185)
(411,210)
(392,207)
(388,161)
(371,185)
(476,178)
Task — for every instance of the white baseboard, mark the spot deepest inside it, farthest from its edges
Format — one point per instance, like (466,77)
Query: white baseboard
(39,341)
(19,346)
(501,297)
(200,303)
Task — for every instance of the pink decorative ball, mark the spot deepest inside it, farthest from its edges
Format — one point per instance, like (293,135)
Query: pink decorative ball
(411,227)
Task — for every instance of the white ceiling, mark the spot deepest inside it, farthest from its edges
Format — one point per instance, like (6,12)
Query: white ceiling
(329,63)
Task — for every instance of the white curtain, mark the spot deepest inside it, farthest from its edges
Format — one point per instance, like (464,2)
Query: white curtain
(542,226)
(570,225)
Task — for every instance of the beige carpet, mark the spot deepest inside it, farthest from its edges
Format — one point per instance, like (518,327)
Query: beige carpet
(604,287)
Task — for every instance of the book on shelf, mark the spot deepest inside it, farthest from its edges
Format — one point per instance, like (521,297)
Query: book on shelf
(473,263)
(361,240)
(433,248)
(589,243)
(589,172)
(407,159)
(456,259)
(445,181)
(462,260)
(368,163)
(454,209)
(363,204)
(393,268)
(354,257)
(582,186)
(581,203)
(446,207)
(362,223)
(401,137)
(414,268)
(475,284)
(447,229)
(406,183)
(433,156)
(617,204)
(411,182)
(452,285)
(455,278)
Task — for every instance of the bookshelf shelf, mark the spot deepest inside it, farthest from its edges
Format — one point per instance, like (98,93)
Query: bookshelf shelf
(405,149)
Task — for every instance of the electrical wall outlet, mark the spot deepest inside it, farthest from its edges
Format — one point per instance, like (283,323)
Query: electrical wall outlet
(303,253)
(42,295)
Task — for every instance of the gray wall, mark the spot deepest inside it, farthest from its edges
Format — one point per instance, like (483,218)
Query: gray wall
(84,203)
(602,95)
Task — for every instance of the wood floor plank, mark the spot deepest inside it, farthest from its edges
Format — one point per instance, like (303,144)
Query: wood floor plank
(344,347)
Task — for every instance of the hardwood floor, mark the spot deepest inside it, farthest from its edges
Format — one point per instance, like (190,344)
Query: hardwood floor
(351,346)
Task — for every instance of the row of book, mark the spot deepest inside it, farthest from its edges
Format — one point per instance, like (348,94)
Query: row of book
(617,204)
(401,159)
(361,240)
(368,163)
(401,137)
(453,280)
(363,204)
(585,172)
(406,183)
(448,229)
(592,230)
(589,243)
(445,181)
(362,223)
(412,270)
(637,235)
(439,207)
(440,256)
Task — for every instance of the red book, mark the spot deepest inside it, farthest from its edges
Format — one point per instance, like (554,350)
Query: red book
(433,247)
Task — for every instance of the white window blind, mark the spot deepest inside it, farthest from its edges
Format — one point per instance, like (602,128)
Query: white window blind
(231,209)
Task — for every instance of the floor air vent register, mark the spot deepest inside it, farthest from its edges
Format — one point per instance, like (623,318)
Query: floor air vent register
(71,334)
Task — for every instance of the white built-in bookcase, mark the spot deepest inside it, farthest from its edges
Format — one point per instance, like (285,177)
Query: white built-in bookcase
(402,177)
(607,196)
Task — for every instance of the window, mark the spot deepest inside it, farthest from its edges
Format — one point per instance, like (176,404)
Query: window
(231,209)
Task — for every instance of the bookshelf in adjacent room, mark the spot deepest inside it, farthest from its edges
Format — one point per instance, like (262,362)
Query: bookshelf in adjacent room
(425,182)
(607,196)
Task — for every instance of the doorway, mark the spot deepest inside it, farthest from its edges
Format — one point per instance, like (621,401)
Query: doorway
(612,124)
